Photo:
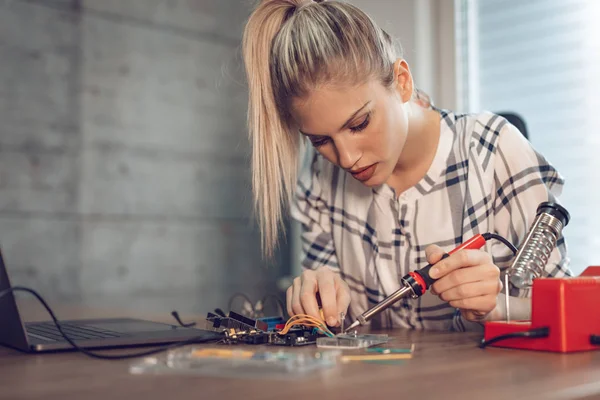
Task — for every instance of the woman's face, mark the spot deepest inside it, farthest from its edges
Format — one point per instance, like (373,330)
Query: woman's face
(362,128)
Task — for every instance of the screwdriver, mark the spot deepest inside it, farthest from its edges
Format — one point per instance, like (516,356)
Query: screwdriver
(415,283)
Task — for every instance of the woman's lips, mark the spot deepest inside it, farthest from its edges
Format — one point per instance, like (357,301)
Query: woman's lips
(364,174)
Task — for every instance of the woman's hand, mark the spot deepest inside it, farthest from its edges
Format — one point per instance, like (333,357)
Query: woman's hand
(333,292)
(468,280)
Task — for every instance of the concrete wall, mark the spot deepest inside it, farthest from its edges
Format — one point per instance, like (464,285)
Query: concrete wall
(123,154)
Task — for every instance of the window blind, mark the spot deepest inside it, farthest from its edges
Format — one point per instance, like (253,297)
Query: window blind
(541,59)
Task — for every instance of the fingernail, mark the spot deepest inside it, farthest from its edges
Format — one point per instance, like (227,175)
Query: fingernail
(331,321)
(434,271)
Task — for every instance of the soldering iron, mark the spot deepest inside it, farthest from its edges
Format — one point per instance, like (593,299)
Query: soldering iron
(416,283)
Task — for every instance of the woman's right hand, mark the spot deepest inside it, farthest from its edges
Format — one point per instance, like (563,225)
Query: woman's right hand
(334,294)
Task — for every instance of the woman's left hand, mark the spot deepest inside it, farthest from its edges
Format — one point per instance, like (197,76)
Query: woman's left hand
(468,280)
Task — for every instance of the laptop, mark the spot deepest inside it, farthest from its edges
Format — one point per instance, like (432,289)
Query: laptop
(37,337)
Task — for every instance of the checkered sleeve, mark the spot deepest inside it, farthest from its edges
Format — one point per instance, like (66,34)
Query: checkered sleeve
(312,210)
(523,179)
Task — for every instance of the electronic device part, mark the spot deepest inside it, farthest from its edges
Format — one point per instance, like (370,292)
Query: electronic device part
(307,321)
(256,324)
(299,336)
(296,337)
(300,330)
(272,322)
(234,321)
(351,341)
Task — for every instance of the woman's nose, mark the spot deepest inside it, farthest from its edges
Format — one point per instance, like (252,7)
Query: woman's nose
(347,154)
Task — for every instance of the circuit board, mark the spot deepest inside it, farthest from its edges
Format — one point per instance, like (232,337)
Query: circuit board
(299,337)
(239,329)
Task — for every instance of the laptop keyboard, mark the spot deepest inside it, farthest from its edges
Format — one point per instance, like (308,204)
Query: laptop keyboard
(75,332)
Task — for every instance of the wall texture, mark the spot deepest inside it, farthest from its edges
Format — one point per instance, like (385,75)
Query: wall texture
(123,153)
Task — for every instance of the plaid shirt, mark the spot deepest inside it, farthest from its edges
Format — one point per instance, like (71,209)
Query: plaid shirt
(485,177)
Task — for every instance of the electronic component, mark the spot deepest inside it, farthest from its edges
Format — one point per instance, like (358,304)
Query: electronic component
(299,336)
(272,322)
(254,323)
(299,330)
(234,321)
(351,341)
(233,336)
(375,357)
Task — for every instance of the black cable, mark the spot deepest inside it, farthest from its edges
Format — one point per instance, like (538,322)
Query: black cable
(488,236)
(175,315)
(532,334)
(198,339)
(220,312)
(595,340)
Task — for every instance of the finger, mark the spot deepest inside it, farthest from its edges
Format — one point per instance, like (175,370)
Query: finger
(343,295)
(433,253)
(471,315)
(326,284)
(468,290)
(482,304)
(462,276)
(288,300)
(308,296)
(460,259)
(296,304)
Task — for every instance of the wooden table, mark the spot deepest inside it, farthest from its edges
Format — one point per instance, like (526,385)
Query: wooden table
(444,365)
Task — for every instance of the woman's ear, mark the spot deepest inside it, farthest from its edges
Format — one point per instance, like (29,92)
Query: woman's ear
(403,80)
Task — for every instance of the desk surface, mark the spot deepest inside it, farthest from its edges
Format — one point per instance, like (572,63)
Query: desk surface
(444,365)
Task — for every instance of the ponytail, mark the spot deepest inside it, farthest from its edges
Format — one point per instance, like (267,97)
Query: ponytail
(274,147)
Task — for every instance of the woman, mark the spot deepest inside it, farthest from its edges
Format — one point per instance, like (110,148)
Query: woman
(385,185)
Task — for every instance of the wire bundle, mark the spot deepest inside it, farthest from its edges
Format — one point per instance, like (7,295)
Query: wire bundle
(306,320)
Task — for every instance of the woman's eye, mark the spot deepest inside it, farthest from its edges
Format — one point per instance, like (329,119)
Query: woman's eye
(362,125)
(319,142)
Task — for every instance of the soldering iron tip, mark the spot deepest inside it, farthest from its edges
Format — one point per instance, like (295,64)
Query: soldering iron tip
(352,326)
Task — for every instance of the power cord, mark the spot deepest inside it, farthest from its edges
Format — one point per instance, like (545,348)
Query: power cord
(175,315)
(532,333)
(194,340)
(488,236)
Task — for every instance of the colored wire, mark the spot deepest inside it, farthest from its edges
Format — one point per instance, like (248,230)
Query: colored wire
(306,320)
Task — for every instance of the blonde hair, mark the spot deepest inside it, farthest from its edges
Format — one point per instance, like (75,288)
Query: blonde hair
(289,48)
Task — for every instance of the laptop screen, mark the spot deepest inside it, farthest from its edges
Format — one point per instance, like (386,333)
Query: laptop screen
(12,332)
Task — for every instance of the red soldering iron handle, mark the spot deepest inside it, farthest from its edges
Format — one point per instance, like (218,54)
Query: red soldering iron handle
(420,281)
